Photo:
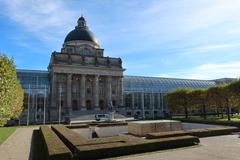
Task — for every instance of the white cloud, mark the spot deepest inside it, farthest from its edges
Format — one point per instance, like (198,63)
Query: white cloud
(186,17)
(209,71)
(217,46)
(48,20)
(209,48)
(39,14)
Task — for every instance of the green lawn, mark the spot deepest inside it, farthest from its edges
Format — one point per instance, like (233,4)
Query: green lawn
(5,132)
(235,118)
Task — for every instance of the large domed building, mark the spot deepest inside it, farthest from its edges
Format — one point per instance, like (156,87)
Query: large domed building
(81,77)
(81,82)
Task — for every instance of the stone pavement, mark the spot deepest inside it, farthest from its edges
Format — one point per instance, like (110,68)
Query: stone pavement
(17,146)
(211,148)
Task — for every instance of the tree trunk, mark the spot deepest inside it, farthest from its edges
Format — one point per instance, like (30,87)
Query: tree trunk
(218,112)
(204,111)
(228,111)
(230,108)
(228,114)
(221,112)
(186,112)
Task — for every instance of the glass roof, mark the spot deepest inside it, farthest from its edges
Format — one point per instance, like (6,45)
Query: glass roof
(159,84)
(130,83)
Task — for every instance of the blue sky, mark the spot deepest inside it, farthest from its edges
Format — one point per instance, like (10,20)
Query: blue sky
(164,38)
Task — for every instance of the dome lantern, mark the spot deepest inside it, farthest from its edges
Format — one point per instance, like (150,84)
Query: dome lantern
(81,23)
(81,32)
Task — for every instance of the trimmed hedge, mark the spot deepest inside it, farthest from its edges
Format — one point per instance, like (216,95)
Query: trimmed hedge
(77,126)
(203,132)
(225,123)
(69,137)
(212,131)
(166,134)
(98,124)
(55,149)
(112,124)
(73,139)
(117,145)
(120,148)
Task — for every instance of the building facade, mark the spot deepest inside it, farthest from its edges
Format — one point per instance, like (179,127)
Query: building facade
(81,77)
(81,82)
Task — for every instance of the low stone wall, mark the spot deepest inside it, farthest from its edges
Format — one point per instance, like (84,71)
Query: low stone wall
(141,128)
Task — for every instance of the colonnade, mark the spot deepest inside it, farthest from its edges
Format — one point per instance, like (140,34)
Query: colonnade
(83,97)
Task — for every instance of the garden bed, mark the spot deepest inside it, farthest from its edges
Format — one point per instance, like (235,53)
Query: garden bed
(97,151)
(202,132)
(83,148)
(54,148)
(213,122)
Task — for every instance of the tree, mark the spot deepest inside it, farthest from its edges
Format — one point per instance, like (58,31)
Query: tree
(178,100)
(214,93)
(234,94)
(199,98)
(224,98)
(11,93)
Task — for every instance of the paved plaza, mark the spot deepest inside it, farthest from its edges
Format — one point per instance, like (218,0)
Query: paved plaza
(17,147)
(211,148)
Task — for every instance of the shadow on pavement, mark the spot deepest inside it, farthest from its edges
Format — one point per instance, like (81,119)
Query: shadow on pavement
(37,147)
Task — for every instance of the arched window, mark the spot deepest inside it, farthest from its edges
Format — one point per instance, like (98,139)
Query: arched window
(101,87)
(85,51)
(89,86)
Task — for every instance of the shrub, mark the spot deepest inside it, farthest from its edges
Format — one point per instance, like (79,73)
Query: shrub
(166,134)
(77,126)
(55,149)
(117,145)
(222,131)
(69,137)
(112,124)
(122,148)
(73,139)
(225,123)
(202,132)
(213,131)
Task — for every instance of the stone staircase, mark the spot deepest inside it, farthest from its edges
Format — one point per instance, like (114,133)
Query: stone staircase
(90,115)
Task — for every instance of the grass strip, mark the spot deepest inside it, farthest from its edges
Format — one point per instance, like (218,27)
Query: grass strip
(5,132)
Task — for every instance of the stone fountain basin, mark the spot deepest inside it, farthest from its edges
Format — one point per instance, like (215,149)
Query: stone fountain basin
(141,128)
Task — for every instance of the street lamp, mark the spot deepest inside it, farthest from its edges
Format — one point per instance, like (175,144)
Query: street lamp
(153,104)
(60,107)
(44,106)
(29,94)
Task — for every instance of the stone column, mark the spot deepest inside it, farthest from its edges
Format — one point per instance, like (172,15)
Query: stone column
(96,92)
(109,90)
(69,94)
(83,91)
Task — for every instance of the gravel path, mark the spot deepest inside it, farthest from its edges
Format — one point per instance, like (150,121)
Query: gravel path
(17,146)
(211,148)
